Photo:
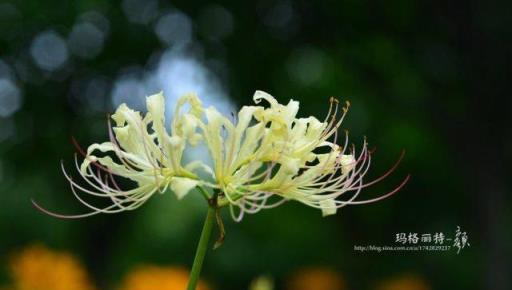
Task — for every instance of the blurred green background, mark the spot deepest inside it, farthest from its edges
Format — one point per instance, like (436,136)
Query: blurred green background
(430,77)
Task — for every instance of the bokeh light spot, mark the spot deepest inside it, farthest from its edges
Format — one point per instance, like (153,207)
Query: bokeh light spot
(140,11)
(174,28)
(5,71)
(86,40)
(307,66)
(10,98)
(98,19)
(49,50)
(179,74)
(129,89)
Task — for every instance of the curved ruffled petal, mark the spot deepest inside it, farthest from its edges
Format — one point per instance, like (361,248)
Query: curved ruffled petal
(182,186)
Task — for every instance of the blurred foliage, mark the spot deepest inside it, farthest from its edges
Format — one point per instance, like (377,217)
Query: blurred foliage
(424,76)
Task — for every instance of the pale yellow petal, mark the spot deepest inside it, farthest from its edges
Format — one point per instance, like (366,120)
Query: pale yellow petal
(328,207)
(181,186)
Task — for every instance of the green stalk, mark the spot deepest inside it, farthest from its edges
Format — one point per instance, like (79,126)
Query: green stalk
(202,247)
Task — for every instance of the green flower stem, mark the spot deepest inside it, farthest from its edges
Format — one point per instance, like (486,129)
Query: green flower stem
(204,192)
(202,247)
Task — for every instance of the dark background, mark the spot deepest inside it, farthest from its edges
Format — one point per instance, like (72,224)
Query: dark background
(430,77)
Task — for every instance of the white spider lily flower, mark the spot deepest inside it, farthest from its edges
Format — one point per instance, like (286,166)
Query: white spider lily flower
(261,158)
(267,156)
(140,150)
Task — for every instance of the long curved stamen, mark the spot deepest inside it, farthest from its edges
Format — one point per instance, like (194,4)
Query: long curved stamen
(402,184)
(61,216)
(240,215)
(387,173)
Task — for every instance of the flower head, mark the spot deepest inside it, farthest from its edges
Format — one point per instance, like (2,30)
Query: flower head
(142,151)
(267,155)
(262,157)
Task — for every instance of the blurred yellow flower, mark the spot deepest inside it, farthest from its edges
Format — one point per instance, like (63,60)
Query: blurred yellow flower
(262,283)
(38,268)
(159,278)
(316,278)
(408,282)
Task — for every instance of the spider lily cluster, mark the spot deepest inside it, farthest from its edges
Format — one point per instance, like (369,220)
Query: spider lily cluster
(261,158)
